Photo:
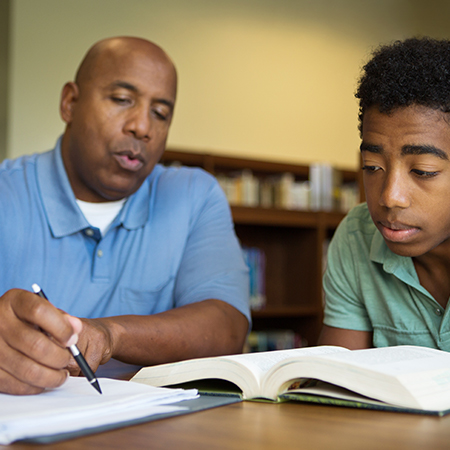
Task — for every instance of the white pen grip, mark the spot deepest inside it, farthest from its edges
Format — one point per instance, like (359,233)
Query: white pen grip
(74,350)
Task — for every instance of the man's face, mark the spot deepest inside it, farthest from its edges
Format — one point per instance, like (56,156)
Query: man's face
(117,124)
(407,178)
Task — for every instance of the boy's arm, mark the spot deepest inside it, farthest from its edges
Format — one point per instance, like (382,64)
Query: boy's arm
(346,320)
(351,339)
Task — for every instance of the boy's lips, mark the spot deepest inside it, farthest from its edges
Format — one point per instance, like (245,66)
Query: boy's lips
(397,232)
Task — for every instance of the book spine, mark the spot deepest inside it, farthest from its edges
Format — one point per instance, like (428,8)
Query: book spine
(256,262)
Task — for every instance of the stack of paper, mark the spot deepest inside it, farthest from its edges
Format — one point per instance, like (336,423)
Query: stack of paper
(76,406)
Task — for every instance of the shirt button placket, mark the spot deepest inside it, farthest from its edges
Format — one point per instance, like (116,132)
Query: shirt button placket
(101,267)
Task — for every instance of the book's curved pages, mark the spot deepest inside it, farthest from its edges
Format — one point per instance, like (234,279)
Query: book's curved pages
(331,395)
(409,377)
(246,371)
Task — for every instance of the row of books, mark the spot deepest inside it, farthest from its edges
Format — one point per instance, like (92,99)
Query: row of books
(255,259)
(263,341)
(324,190)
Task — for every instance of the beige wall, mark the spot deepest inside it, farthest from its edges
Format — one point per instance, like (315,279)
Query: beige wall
(4,48)
(270,79)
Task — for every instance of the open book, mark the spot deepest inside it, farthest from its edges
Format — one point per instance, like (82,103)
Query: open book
(404,377)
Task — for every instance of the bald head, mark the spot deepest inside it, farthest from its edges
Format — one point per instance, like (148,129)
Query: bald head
(105,54)
(117,113)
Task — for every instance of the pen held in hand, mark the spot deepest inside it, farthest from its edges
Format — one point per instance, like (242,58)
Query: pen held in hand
(79,358)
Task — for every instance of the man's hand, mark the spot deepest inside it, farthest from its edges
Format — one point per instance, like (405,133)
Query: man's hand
(95,344)
(206,328)
(33,340)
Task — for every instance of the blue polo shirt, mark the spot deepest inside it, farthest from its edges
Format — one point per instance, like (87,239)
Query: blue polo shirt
(173,243)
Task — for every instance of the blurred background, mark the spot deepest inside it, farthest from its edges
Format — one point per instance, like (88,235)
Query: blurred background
(269,79)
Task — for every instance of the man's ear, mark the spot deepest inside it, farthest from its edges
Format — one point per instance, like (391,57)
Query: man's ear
(69,97)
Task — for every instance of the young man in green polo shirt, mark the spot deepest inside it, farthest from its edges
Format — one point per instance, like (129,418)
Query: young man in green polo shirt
(388,273)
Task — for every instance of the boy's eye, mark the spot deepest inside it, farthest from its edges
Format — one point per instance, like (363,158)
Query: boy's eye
(370,169)
(424,174)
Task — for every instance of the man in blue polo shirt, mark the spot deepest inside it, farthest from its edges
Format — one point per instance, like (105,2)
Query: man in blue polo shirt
(388,274)
(146,256)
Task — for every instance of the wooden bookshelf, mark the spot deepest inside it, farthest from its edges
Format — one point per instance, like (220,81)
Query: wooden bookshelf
(293,242)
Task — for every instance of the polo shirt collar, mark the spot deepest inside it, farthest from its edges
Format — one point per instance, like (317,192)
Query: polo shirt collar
(63,214)
(136,211)
(138,208)
(400,266)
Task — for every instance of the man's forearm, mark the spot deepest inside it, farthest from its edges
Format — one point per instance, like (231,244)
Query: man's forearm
(206,328)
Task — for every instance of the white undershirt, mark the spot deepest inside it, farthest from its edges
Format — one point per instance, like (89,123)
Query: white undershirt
(101,215)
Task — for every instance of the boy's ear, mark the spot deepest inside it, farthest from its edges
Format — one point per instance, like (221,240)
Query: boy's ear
(69,97)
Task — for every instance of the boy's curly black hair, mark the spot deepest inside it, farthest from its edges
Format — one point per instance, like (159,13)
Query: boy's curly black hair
(413,71)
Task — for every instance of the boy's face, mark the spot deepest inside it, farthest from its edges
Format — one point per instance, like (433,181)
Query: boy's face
(406,163)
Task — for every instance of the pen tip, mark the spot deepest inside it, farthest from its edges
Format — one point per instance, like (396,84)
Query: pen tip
(97,386)
(35,288)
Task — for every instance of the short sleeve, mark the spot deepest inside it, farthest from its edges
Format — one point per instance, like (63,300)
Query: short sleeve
(343,301)
(212,265)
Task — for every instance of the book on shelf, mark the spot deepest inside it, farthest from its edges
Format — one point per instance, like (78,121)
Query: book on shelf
(402,378)
(269,340)
(241,188)
(256,262)
(324,190)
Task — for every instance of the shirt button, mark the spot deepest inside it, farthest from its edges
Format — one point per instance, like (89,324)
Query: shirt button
(99,253)
(89,232)
(438,312)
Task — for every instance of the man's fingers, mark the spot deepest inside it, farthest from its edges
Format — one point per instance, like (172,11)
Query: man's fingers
(77,326)
(36,345)
(22,375)
(33,340)
(12,385)
(20,330)
(33,309)
(94,344)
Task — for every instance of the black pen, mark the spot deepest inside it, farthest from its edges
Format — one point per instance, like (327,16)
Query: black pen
(79,358)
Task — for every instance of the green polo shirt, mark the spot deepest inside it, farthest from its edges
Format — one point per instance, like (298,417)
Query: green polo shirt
(369,288)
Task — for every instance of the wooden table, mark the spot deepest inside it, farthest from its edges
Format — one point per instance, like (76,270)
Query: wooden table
(252,425)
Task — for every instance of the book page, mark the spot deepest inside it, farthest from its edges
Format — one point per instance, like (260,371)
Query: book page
(244,370)
(396,361)
(332,391)
(424,372)
(408,376)
(76,405)
(260,364)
